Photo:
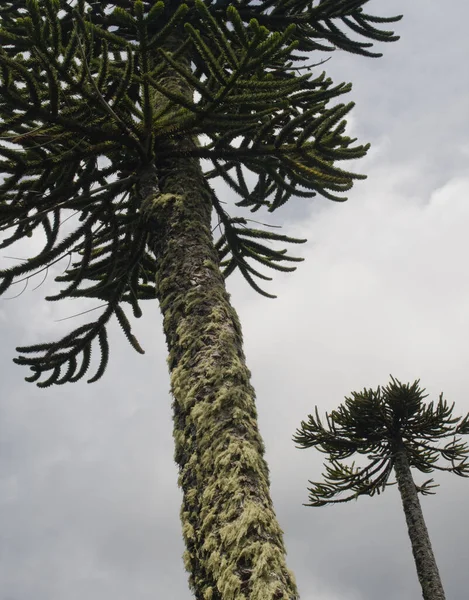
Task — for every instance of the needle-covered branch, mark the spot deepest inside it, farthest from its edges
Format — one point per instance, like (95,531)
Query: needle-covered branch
(378,423)
(92,80)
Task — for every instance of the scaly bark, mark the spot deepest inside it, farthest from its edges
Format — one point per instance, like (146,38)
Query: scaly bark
(427,570)
(234,545)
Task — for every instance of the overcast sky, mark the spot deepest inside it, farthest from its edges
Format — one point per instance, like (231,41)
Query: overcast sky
(88,495)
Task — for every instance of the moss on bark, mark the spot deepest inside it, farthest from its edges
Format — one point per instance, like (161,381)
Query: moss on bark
(234,545)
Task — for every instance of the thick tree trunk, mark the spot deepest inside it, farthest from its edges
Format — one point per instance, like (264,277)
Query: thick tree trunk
(427,569)
(234,544)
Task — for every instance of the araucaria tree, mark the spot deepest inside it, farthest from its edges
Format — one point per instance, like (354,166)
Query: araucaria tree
(397,431)
(109,112)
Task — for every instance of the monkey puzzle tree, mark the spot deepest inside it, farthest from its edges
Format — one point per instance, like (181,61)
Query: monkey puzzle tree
(108,110)
(397,431)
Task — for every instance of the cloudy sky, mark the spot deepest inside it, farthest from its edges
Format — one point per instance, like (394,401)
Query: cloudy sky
(88,496)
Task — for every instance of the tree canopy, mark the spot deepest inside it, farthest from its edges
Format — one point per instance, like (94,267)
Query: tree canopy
(378,423)
(92,112)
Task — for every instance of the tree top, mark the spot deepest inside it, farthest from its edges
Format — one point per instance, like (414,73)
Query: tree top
(378,424)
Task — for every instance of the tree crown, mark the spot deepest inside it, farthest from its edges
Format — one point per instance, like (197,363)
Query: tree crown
(378,423)
(95,100)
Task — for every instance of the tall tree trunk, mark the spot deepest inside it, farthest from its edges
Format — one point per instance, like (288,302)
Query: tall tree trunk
(234,545)
(427,570)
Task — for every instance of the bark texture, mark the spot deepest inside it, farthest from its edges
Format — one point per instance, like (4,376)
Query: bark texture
(234,544)
(427,570)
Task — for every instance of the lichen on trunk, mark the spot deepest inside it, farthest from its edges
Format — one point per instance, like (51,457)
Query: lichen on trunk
(234,545)
(427,569)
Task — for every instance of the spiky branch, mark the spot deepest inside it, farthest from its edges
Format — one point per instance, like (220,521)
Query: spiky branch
(376,423)
(80,128)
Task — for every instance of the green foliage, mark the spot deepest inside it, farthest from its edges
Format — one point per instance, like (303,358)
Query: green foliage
(89,125)
(377,423)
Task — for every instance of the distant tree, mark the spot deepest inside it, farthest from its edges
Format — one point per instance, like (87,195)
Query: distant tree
(397,431)
(115,117)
